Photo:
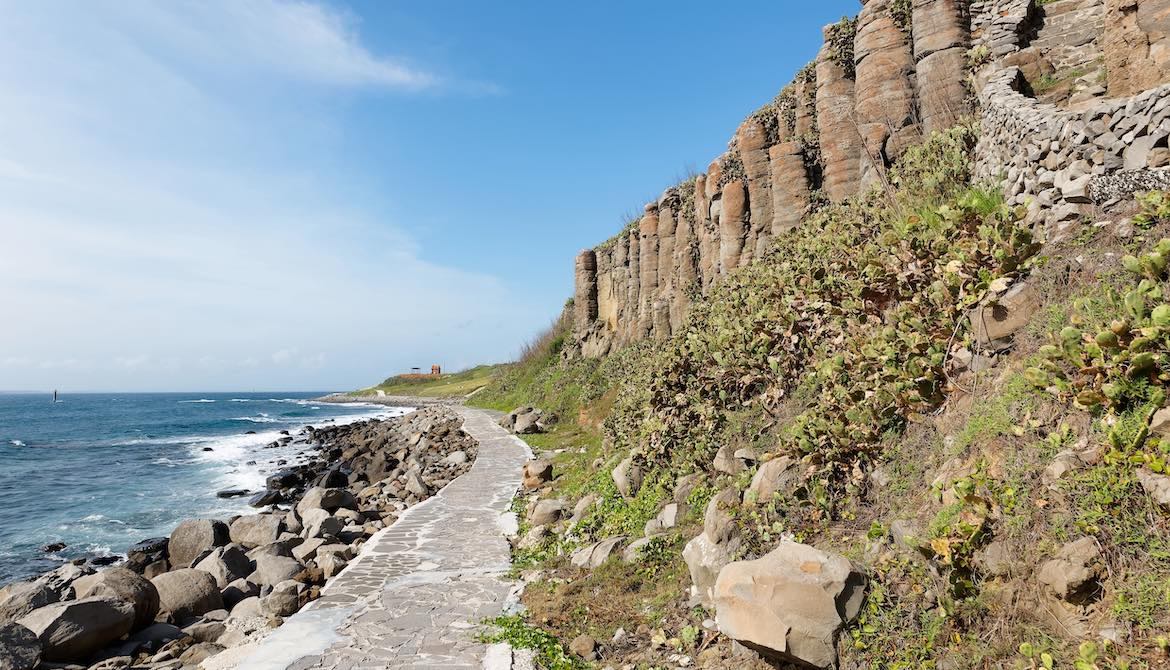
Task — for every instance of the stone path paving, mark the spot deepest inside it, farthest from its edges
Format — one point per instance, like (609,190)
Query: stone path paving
(416,594)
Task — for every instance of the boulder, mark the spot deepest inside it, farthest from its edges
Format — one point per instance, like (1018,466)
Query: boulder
(319,523)
(307,550)
(126,586)
(283,600)
(75,629)
(1156,486)
(597,553)
(704,559)
(726,462)
(19,648)
(718,523)
(226,565)
(791,604)
(237,592)
(146,552)
(1001,318)
(329,500)
(254,530)
(547,512)
(774,476)
(197,653)
(193,538)
(627,476)
(1073,575)
(246,608)
(187,593)
(416,485)
(536,473)
(205,631)
(272,570)
(455,458)
(331,564)
(585,647)
(60,581)
(20,598)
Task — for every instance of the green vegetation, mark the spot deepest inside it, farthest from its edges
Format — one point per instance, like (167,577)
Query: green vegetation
(444,386)
(514,630)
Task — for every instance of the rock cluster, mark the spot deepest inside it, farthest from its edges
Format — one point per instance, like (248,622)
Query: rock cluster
(216,584)
(527,420)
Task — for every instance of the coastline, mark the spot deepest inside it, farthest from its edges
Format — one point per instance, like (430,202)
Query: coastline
(239,577)
(389,400)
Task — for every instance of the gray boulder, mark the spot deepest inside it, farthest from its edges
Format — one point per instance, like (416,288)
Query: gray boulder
(1073,575)
(328,499)
(704,559)
(283,600)
(226,565)
(193,538)
(238,591)
(20,649)
(791,604)
(75,629)
(726,462)
(20,598)
(627,476)
(187,593)
(774,476)
(536,473)
(597,553)
(320,523)
(60,581)
(547,512)
(255,530)
(124,585)
(272,570)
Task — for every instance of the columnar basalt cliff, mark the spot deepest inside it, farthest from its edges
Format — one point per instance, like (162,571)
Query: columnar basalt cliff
(1036,74)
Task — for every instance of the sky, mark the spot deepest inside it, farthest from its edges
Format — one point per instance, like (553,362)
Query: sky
(314,195)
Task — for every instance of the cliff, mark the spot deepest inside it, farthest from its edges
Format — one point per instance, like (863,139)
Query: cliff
(1034,73)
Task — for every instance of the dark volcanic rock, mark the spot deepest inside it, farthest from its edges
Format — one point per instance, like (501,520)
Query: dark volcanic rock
(232,493)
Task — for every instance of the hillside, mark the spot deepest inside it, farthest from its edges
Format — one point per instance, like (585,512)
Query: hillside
(917,421)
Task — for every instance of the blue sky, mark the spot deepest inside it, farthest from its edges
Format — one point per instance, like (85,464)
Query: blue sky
(264,194)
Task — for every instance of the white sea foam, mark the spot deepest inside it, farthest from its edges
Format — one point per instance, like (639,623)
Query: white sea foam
(16,443)
(241,400)
(199,400)
(263,418)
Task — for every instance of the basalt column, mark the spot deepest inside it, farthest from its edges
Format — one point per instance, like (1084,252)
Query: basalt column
(941,38)
(805,107)
(751,139)
(648,264)
(609,284)
(1136,44)
(704,239)
(790,187)
(666,267)
(685,254)
(585,295)
(841,151)
(733,225)
(885,90)
(629,322)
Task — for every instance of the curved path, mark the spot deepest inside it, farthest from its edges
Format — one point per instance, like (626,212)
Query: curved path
(416,594)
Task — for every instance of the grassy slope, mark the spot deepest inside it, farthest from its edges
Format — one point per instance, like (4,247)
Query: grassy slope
(736,377)
(446,386)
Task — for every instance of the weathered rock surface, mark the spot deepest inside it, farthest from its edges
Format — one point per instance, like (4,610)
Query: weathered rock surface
(193,538)
(126,586)
(20,649)
(20,598)
(791,604)
(187,593)
(254,530)
(76,629)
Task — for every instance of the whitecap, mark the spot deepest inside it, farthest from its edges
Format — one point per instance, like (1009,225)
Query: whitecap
(263,418)
(241,400)
(16,443)
(93,517)
(199,400)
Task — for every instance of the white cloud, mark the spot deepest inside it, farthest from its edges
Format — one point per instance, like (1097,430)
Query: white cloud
(161,192)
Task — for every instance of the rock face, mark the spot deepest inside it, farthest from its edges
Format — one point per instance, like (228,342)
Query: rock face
(884,105)
(19,648)
(126,586)
(187,593)
(791,604)
(20,598)
(1137,53)
(941,39)
(835,95)
(585,281)
(78,628)
(195,537)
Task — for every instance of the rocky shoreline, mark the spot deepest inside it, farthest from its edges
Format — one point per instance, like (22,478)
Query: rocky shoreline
(216,584)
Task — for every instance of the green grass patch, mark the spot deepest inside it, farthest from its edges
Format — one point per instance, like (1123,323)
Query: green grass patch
(454,385)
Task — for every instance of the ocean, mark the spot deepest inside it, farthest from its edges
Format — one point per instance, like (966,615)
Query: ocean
(100,472)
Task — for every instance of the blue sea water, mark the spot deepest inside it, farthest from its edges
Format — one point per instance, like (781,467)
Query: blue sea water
(100,472)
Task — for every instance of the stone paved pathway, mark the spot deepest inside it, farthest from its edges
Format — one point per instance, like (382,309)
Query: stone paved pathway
(416,594)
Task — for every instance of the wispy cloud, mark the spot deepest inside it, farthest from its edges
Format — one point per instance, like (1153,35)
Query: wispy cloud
(162,192)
